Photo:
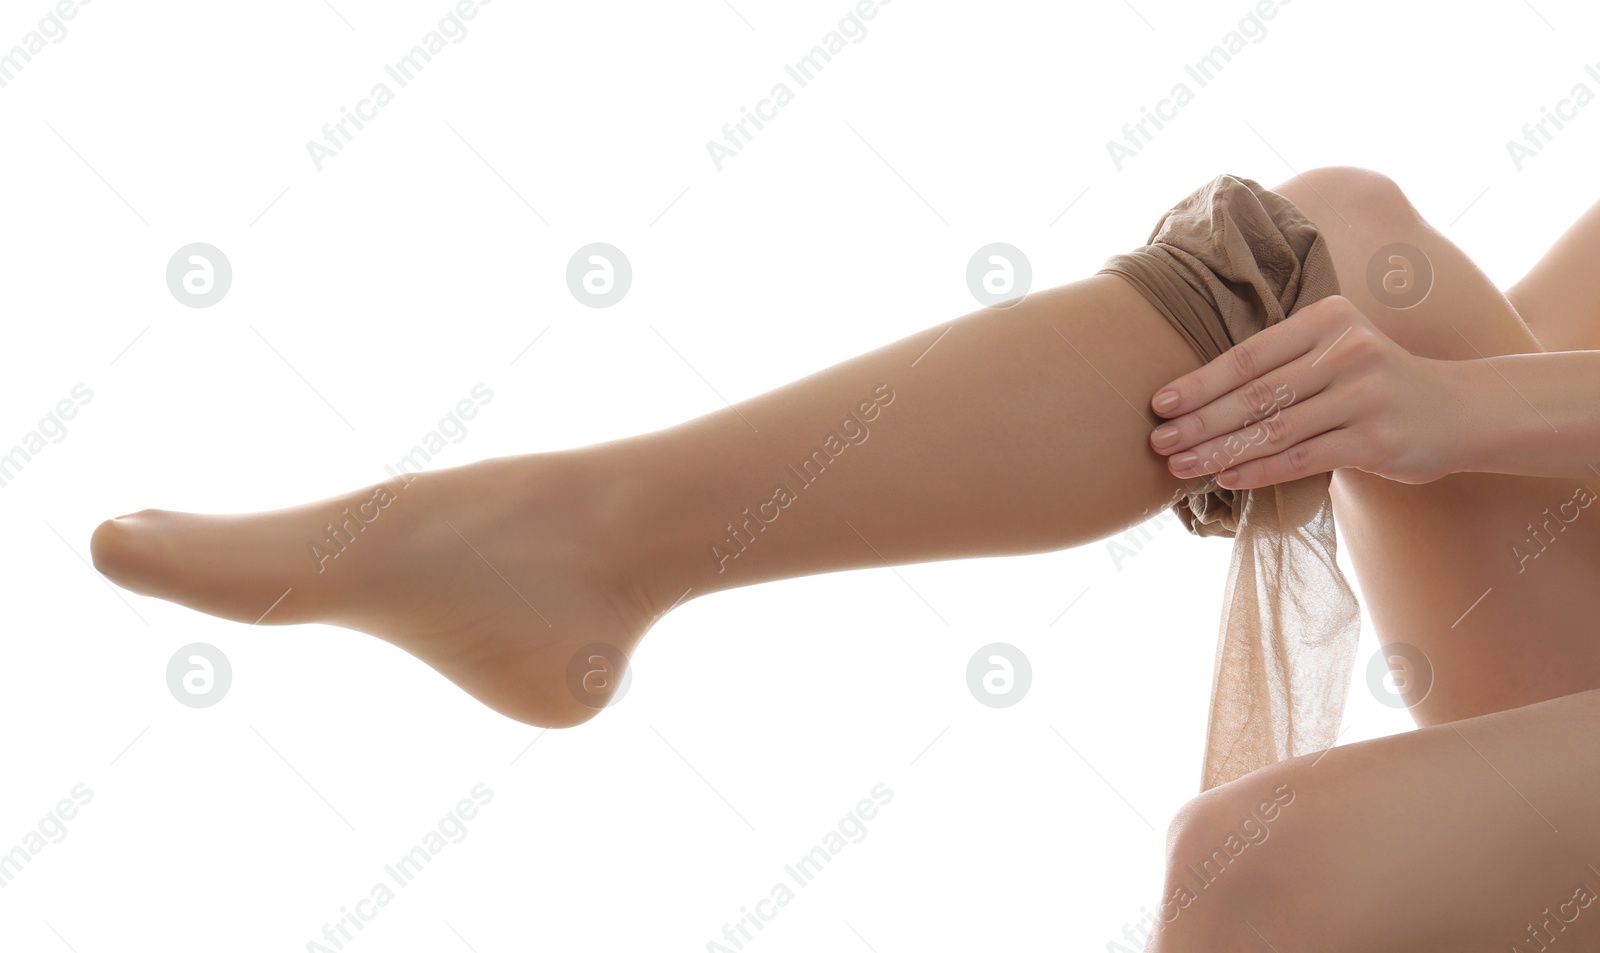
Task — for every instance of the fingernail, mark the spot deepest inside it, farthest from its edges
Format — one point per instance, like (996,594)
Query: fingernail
(1185,461)
(1164,435)
(1165,401)
(1228,478)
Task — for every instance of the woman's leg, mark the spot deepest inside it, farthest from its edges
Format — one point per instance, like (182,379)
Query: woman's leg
(1559,297)
(1479,835)
(1472,834)
(1013,430)
(1446,566)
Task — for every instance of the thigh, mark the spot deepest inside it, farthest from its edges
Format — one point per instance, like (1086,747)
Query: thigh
(1439,564)
(1462,836)
(1559,297)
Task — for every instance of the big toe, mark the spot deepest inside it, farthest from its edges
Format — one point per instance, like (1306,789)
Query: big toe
(127,550)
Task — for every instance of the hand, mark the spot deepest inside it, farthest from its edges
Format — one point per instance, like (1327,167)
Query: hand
(1321,390)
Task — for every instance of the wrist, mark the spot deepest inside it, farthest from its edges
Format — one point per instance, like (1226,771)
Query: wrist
(1476,439)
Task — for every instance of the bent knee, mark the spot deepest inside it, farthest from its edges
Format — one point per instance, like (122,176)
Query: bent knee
(1216,842)
(1352,196)
(1226,866)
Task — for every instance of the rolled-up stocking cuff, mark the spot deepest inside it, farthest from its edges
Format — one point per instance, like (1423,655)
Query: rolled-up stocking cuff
(1229,260)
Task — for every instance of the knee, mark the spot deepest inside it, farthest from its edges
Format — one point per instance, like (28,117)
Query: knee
(1351,195)
(1225,876)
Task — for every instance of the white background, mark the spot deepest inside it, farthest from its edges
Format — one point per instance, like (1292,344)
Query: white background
(411,268)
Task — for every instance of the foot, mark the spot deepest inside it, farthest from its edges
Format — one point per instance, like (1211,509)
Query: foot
(503,575)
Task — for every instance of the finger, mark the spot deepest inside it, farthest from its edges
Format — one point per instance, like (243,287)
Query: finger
(1245,361)
(1296,382)
(1266,437)
(1323,453)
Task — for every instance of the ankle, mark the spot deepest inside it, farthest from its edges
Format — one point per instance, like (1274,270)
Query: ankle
(636,527)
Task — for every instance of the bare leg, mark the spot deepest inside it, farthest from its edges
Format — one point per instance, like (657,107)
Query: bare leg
(1015,430)
(1559,297)
(1436,561)
(1456,837)
(1466,834)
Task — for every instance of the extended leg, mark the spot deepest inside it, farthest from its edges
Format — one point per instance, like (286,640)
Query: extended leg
(1012,430)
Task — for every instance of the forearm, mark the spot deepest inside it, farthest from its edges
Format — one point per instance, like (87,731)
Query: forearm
(1529,414)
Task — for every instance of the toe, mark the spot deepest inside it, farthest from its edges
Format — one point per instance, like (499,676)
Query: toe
(118,549)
